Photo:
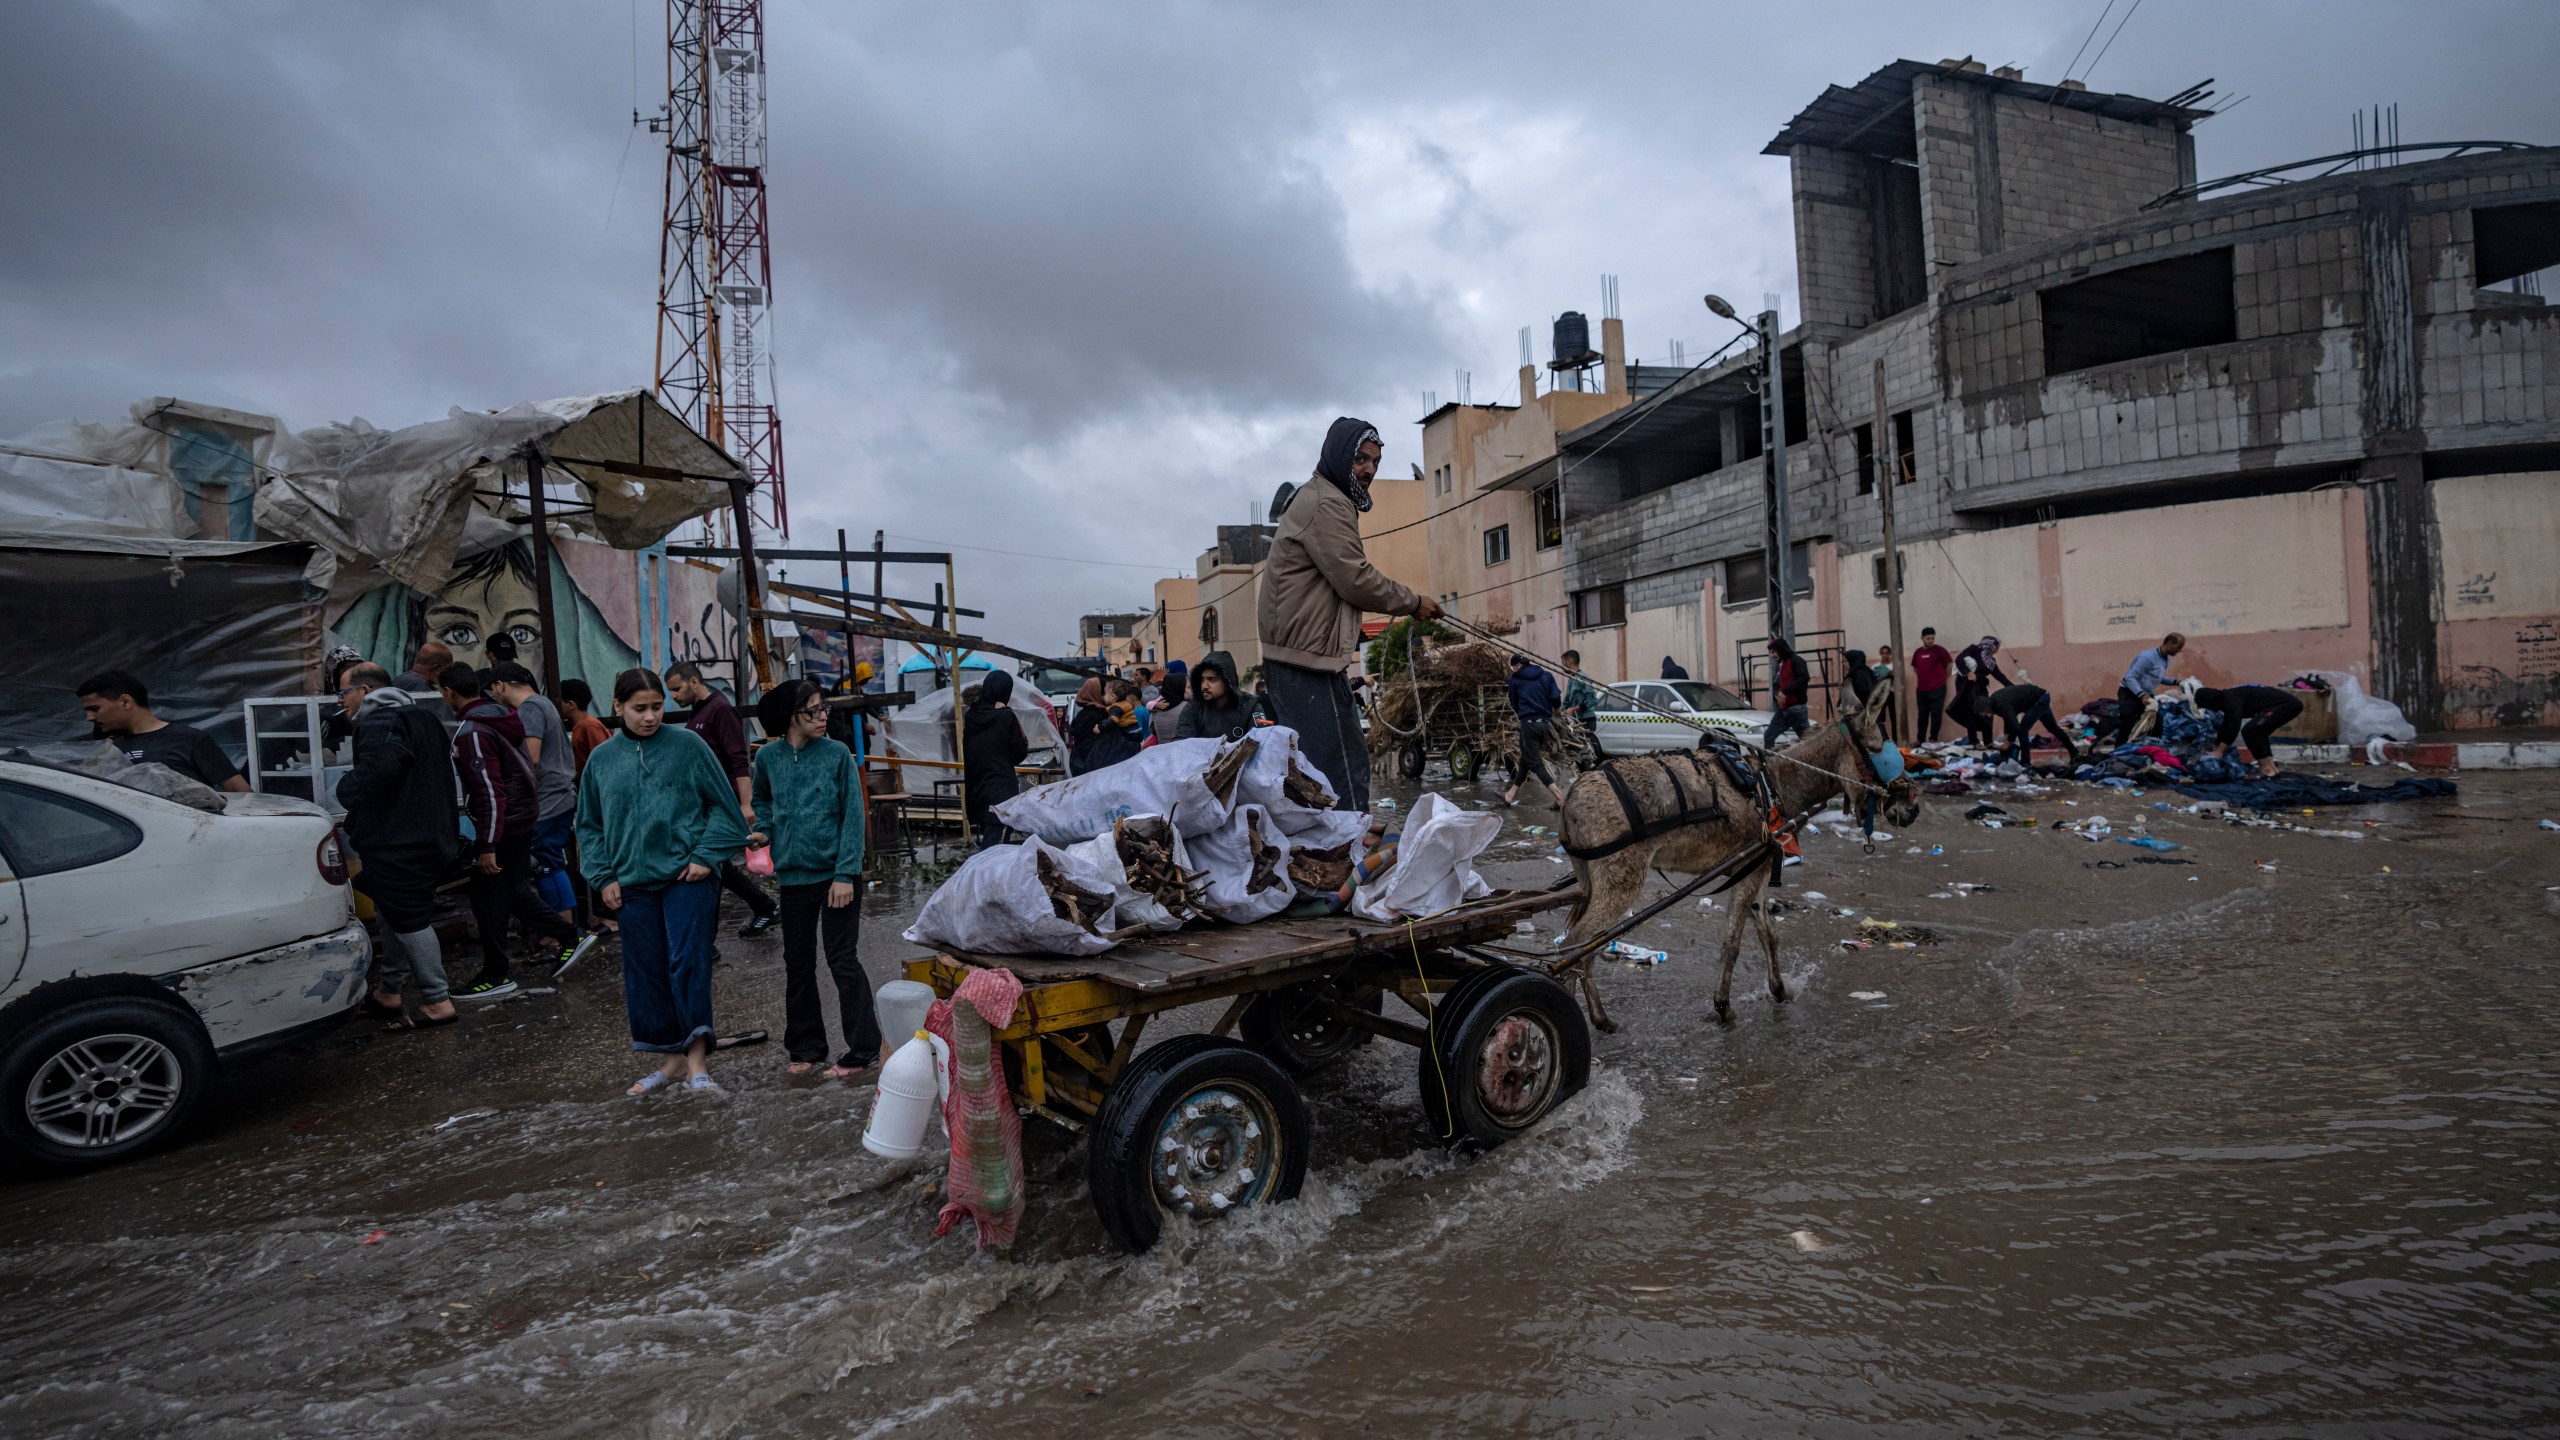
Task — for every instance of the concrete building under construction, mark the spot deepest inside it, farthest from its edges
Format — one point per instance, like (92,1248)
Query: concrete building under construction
(2313,422)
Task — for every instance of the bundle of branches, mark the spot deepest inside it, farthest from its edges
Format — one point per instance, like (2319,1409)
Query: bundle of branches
(1445,695)
(1221,775)
(1305,789)
(1145,846)
(1266,856)
(1072,901)
(1320,872)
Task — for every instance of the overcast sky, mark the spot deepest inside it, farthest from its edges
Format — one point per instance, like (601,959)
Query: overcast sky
(1073,281)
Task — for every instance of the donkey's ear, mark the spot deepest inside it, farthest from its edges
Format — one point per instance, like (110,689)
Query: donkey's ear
(1879,698)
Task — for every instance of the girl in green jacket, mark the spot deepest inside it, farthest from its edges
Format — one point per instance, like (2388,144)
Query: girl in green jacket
(808,798)
(656,818)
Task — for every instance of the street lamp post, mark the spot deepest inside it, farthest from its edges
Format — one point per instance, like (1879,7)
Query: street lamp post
(1777,541)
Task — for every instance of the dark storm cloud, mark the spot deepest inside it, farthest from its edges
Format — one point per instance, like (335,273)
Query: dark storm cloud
(1079,280)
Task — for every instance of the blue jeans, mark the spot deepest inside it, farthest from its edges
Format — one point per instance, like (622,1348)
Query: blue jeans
(551,861)
(1788,717)
(666,963)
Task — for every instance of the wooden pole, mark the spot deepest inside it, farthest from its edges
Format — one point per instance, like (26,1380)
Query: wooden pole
(749,590)
(1890,474)
(534,502)
(949,614)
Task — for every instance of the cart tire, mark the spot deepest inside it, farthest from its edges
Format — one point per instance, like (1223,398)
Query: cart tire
(1507,1047)
(1410,760)
(1196,1126)
(1464,763)
(1300,1038)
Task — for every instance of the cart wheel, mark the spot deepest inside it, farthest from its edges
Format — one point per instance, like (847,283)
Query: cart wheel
(1195,1127)
(1410,760)
(1507,1047)
(1292,1027)
(1464,763)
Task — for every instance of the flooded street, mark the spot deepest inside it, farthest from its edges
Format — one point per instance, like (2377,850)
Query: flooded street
(2133,1148)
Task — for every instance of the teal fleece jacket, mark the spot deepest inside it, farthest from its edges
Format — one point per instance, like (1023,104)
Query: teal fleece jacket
(648,808)
(809,801)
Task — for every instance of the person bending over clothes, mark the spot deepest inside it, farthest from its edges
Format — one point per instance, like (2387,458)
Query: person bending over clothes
(1977,666)
(2252,714)
(2021,708)
(657,817)
(808,797)
(992,743)
(2146,676)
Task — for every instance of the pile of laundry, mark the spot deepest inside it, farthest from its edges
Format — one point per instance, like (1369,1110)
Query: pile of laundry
(1234,831)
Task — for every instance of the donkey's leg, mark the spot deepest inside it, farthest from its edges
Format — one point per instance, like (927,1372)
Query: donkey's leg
(1599,1013)
(1746,898)
(1610,888)
(1769,944)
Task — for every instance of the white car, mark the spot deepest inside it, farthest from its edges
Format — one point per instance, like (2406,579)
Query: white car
(1623,728)
(141,941)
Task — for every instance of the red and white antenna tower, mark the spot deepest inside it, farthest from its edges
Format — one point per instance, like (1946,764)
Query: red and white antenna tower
(715,266)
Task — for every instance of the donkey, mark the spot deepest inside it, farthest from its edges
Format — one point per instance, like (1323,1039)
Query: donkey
(1799,779)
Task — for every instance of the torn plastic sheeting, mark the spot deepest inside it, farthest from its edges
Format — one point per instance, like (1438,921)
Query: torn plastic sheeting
(1435,862)
(401,498)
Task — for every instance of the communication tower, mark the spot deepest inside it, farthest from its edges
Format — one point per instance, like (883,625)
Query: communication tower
(715,265)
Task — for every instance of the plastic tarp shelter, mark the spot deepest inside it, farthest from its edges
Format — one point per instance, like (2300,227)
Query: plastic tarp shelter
(401,499)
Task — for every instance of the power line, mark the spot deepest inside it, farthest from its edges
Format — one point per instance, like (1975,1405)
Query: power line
(2111,41)
(2085,39)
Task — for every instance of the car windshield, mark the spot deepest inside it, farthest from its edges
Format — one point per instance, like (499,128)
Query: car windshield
(1055,679)
(1702,696)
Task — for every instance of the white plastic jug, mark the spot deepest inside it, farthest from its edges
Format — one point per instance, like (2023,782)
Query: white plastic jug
(904,1104)
(901,1005)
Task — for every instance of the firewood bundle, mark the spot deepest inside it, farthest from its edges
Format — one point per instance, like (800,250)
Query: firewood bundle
(1221,777)
(1320,872)
(1267,857)
(1145,846)
(1073,902)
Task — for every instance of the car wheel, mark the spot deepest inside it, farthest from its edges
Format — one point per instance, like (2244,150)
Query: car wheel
(102,1080)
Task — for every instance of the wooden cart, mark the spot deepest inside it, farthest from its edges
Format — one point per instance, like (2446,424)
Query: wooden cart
(1196,1125)
(1475,731)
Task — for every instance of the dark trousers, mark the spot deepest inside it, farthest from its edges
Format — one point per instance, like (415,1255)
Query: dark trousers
(666,963)
(2128,713)
(1318,705)
(1972,712)
(1789,717)
(805,918)
(2020,744)
(735,879)
(510,891)
(2257,733)
(1933,709)
(1533,742)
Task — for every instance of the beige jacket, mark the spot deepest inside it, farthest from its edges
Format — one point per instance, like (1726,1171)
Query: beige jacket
(1319,580)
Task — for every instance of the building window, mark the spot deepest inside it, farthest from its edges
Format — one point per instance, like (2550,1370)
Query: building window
(1906,451)
(1901,564)
(1746,581)
(1866,438)
(2155,309)
(1595,608)
(1106,629)
(1497,546)
(1209,625)
(1549,501)
(2514,244)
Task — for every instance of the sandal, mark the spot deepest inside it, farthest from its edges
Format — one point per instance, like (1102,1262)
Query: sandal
(378,1010)
(702,1082)
(654,1080)
(853,1072)
(420,1022)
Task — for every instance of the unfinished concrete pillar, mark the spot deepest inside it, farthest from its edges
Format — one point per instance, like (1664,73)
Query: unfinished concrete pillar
(1613,355)
(2399,538)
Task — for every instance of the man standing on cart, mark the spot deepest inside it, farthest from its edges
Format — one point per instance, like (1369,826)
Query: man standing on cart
(1315,586)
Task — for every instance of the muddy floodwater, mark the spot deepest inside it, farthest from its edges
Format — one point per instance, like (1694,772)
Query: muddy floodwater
(2261,1144)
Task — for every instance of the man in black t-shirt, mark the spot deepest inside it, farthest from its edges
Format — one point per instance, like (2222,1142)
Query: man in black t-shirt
(119,710)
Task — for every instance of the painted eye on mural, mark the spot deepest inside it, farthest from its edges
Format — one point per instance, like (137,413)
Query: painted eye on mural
(524,635)
(460,635)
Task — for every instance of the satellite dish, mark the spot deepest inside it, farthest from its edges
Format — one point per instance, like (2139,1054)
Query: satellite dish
(1280,499)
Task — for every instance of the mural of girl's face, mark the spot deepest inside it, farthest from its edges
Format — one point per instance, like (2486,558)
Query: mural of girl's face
(464,615)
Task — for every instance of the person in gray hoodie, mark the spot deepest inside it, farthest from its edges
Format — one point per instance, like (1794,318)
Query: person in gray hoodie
(1315,586)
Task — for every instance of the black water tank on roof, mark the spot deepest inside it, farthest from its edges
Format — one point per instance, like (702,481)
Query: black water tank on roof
(1573,337)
